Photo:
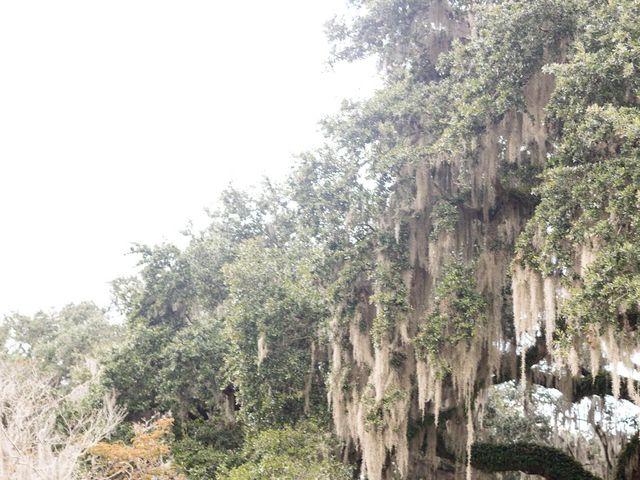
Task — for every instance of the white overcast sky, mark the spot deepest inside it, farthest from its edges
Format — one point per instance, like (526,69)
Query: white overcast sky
(120,120)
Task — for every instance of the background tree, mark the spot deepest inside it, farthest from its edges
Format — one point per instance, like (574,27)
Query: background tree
(148,456)
(45,432)
(68,344)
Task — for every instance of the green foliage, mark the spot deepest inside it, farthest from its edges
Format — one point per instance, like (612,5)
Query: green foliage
(394,30)
(505,419)
(600,70)
(520,179)
(590,191)
(275,299)
(391,299)
(444,218)
(133,368)
(192,373)
(331,203)
(484,77)
(353,272)
(375,411)
(380,132)
(66,344)
(459,310)
(173,354)
(424,109)
(202,447)
(374,416)
(163,295)
(303,452)
(397,359)
(390,296)
(157,369)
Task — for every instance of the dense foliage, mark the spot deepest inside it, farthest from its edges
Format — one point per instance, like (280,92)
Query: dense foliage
(301,453)
(67,344)
(459,311)
(590,193)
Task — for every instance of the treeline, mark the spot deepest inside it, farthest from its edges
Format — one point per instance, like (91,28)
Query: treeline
(227,336)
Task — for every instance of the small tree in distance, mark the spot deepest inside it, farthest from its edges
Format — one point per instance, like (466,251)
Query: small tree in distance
(43,433)
(148,456)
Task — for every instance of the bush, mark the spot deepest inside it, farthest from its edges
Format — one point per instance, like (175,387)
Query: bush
(304,452)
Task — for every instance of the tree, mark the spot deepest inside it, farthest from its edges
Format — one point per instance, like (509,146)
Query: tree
(67,344)
(45,432)
(454,141)
(148,456)
(274,312)
(171,309)
(174,354)
(174,329)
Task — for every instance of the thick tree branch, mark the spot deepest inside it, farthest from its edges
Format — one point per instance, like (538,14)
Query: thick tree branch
(529,458)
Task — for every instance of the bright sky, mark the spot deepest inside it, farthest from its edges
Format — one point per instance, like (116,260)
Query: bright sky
(120,120)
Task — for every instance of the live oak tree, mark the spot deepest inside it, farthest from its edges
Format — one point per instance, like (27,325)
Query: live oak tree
(504,137)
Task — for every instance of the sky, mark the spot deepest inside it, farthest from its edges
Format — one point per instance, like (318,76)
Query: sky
(121,120)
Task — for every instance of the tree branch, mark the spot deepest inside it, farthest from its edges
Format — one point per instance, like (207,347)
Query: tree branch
(529,458)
